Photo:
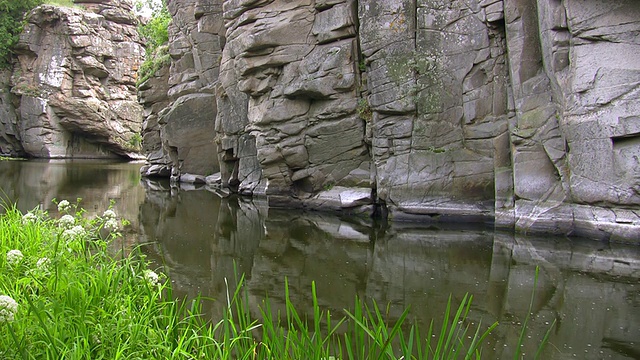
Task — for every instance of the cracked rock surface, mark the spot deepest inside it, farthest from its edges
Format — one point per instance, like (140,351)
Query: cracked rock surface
(520,112)
(73,85)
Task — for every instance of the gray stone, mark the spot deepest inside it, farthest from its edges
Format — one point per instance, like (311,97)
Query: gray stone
(74,99)
(520,111)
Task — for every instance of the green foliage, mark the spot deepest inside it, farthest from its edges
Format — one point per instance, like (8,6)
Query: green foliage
(76,299)
(154,61)
(11,23)
(155,32)
(63,3)
(364,110)
(135,140)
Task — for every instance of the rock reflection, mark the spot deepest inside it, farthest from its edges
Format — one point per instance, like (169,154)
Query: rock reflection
(589,289)
(34,184)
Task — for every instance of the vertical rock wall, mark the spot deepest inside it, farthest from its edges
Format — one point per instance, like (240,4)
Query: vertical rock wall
(288,98)
(9,136)
(187,124)
(520,111)
(438,91)
(74,81)
(574,70)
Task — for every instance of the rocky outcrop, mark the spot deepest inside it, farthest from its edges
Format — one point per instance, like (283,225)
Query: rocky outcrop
(186,126)
(522,112)
(293,70)
(9,136)
(575,80)
(152,95)
(75,81)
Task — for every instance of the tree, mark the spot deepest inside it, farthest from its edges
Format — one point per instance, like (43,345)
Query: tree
(155,32)
(11,23)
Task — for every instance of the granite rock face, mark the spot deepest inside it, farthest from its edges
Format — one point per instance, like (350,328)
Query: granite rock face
(185,141)
(9,136)
(522,112)
(74,82)
(575,80)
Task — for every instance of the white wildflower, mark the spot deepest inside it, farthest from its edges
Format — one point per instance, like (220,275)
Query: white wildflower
(8,308)
(75,232)
(66,221)
(64,206)
(111,225)
(43,264)
(42,268)
(14,257)
(29,218)
(109,214)
(151,277)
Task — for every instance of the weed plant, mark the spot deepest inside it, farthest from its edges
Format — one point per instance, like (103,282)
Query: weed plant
(63,295)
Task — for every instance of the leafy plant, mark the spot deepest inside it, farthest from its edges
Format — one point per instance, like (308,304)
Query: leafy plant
(135,140)
(155,30)
(153,62)
(156,34)
(11,24)
(63,3)
(364,110)
(63,294)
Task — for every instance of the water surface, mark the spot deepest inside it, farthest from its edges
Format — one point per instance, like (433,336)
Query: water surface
(589,288)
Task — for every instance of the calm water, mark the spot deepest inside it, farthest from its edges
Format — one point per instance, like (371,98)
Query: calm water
(591,289)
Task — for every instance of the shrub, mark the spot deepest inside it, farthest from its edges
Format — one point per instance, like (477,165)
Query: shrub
(153,62)
(155,32)
(11,23)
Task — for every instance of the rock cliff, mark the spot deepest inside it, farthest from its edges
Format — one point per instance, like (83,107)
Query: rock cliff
(73,86)
(520,111)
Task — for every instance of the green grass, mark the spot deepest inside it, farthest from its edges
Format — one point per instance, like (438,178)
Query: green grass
(83,302)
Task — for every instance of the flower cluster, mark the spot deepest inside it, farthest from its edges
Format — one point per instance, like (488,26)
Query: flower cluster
(42,268)
(111,224)
(64,206)
(43,264)
(14,257)
(8,308)
(109,214)
(66,221)
(151,277)
(74,233)
(29,218)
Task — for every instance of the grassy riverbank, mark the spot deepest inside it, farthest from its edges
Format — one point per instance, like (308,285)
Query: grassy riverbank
(64,295)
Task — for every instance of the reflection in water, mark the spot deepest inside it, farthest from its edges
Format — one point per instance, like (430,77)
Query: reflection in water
(589,288)
(34,184)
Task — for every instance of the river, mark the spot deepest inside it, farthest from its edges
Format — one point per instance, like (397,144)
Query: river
(591,289)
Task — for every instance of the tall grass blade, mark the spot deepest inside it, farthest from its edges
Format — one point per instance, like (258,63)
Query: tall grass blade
(523,331)
(544,341)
